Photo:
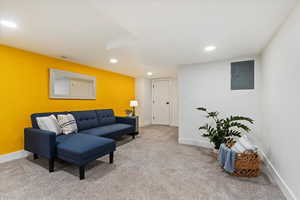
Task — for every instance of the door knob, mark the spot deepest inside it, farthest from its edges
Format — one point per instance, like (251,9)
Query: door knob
(167,103)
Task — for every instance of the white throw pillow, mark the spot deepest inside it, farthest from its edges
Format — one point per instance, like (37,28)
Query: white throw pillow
(246,143)
(49,123)
(243,144)
(67,123)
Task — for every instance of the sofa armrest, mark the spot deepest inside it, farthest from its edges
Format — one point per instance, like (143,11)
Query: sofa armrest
(126,120)
(40,142)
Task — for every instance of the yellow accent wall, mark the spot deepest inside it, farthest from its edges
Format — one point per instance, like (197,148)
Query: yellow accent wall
(24,82)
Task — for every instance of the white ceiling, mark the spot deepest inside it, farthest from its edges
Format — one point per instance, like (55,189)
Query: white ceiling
(144,35)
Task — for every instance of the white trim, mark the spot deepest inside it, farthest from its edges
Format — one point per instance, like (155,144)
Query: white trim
(199,143)
(274,175)
(174,124)
(13,156)
(146,123)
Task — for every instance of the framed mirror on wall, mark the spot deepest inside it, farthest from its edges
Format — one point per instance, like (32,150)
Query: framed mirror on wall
(69,85)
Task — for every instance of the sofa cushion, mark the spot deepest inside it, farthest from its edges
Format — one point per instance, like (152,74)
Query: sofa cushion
(82,148)
(105,117)
(34,116)
(62,137)
(85,119)
(111,131)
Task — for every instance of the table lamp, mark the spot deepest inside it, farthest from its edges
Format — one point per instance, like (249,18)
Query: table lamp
(133,104)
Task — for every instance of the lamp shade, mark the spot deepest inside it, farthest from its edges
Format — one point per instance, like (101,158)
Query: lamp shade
(133,103)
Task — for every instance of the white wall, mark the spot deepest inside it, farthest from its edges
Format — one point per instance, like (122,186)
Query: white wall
(143,93)
(208,85)
(281,103)
(274,104)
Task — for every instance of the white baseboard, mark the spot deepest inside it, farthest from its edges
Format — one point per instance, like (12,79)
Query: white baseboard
(199,143)
(146,123)
(13,156)
(174,124)
(274,175)
(143,123)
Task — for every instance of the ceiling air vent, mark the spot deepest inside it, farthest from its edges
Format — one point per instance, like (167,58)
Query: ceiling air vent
(64,57)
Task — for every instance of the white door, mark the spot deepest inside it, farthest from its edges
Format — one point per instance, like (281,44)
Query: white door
(161,102)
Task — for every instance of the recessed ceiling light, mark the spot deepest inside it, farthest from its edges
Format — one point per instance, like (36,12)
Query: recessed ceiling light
(8,24)
(210,48)
(149,73)
(113,61)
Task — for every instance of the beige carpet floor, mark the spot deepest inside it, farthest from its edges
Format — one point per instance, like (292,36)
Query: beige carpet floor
(151,167)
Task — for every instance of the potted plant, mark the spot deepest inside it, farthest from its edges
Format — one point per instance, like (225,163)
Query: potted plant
(223,130)
(128,112)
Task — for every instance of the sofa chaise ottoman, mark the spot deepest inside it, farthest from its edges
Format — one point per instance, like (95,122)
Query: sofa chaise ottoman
(97,130)
(81,149)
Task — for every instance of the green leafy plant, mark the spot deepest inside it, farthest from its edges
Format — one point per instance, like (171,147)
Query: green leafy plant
(223,130)
(128,112)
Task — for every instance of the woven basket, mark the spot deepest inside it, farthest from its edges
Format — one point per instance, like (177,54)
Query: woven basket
(247,164)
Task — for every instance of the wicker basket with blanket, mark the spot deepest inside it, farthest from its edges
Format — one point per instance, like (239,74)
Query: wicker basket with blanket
(247,164)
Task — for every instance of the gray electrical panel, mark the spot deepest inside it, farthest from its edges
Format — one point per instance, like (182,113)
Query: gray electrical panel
(242,75)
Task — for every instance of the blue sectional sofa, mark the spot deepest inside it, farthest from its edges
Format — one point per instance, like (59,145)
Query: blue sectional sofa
(97,130)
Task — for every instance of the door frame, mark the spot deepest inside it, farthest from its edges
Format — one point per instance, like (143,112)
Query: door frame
(170,103)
